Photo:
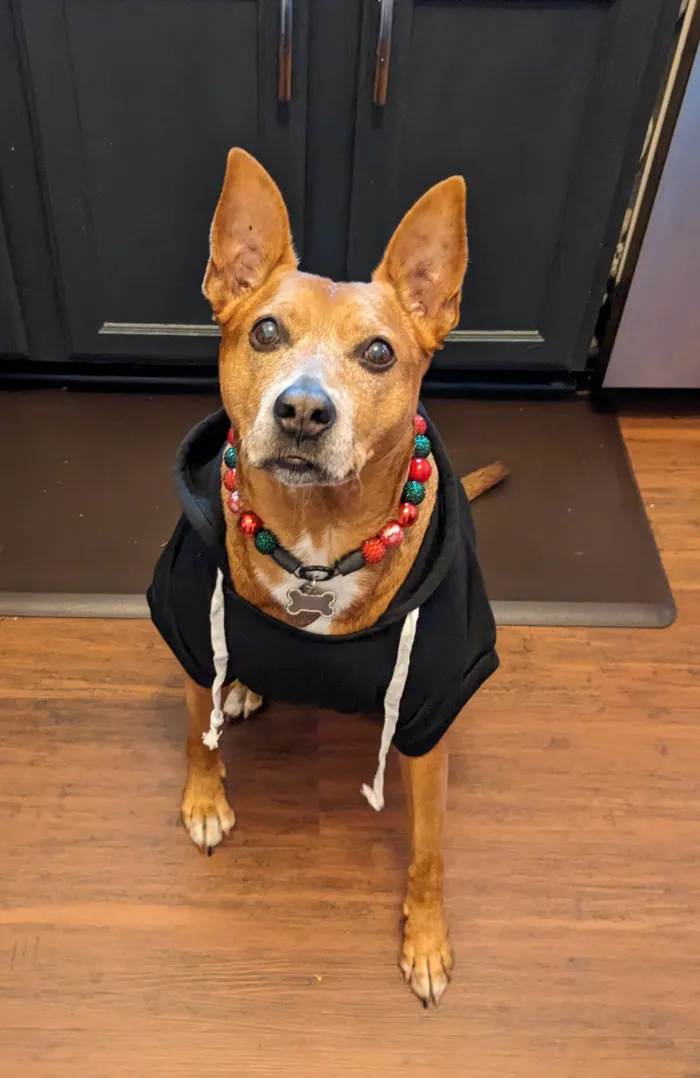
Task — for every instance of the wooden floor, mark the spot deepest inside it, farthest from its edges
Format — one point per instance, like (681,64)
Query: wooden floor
(573,860)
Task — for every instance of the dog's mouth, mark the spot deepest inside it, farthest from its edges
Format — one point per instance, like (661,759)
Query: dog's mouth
(295,470)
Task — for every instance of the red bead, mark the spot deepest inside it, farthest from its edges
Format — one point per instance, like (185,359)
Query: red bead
(391,534)
(234,502)
(408,514)
(230,437)
(230,479)
(419,469)
(373,550)
(250,523)
(419,424)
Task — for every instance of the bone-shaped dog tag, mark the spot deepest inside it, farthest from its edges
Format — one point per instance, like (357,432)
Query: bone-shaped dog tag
(310,600)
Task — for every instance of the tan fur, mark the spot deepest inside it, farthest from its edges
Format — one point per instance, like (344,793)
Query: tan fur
(355,517)
(412,302)
(426,955)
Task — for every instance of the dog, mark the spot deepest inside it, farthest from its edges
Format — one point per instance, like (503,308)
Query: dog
(325,555)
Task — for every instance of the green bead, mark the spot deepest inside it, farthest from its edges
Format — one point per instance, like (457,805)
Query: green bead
(413,492)
(422,446)
(265,541)
(230,457)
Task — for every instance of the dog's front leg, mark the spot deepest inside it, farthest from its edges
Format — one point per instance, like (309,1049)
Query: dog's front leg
(426,957)
(205,811)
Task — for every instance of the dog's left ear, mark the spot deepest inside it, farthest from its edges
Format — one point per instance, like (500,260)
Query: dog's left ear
(426,260)
(250,235)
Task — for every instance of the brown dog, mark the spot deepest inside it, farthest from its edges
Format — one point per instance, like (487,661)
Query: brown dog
(320,382)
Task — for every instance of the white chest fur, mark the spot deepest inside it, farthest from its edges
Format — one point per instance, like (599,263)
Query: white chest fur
(347,589)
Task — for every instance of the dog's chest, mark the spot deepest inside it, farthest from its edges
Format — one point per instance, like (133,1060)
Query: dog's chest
(346,589)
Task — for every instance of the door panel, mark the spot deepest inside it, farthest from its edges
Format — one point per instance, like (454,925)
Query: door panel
(137,103)
(13,339)
(532,102)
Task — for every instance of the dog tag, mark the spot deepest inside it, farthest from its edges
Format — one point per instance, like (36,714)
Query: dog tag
(309,599)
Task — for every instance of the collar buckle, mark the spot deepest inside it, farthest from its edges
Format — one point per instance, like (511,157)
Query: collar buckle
(315,573)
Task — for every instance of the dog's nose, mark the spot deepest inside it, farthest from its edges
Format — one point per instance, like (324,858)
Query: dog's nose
(304,409)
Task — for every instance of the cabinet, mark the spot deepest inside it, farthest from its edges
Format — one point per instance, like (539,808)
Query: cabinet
(136,105)
(534,103)
(541,104)
(13,340)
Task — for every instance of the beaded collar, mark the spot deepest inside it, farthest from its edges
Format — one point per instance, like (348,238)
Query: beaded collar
(309,598)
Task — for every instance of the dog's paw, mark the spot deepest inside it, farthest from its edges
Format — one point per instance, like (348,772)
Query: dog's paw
(205,811)
(426,957)
(241,703)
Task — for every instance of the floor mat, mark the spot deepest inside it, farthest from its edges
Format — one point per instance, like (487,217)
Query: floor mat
(87,504)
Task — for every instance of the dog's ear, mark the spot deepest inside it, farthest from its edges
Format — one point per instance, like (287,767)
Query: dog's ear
(250,235)
(426,260)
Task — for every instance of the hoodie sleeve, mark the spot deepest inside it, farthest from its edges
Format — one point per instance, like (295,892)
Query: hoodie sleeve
(180,598)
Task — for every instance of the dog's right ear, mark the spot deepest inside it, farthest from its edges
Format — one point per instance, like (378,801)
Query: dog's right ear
(426,260)
(250,235)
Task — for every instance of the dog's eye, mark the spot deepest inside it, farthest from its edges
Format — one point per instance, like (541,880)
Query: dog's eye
(378,354)
(265,333)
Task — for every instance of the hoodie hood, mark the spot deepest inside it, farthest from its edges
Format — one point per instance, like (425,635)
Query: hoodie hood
(417,665)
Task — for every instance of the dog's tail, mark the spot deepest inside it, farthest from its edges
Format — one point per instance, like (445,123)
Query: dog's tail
(483,479)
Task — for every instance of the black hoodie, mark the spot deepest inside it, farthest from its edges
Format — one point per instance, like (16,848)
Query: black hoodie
(451,654)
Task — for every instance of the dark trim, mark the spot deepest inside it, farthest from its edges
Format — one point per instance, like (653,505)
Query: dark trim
(666,402)
(109,374)
(527,382)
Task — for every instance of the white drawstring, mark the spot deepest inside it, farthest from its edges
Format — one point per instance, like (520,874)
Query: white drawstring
(217,628)
(392,703)
(392,698)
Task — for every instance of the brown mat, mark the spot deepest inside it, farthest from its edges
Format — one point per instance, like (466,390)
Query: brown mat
(87,503)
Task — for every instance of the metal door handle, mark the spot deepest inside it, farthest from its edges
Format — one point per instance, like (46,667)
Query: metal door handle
(284,67)
(381,67)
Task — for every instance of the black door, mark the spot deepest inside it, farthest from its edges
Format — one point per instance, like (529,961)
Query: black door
(535,103)
(13,340)
(136,104)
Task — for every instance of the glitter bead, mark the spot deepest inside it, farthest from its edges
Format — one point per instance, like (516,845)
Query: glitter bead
(265,541)
(419,469)
(391,534)
(250,523)
(419,424)
(230,479)
(373,550)
(234,502)
(422,446)
(413,492)
(230,437)
(408,515)
(230,457)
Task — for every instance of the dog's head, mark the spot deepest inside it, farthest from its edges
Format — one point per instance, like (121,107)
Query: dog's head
(317,377)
